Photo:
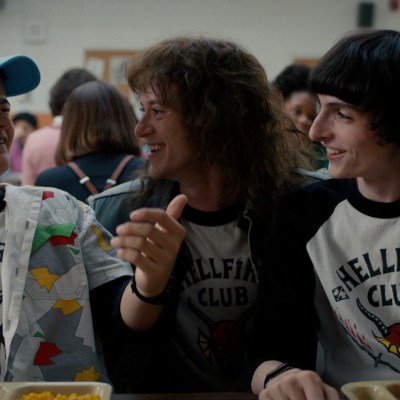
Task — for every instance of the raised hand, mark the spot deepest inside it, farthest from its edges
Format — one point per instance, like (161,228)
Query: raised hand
(151,242)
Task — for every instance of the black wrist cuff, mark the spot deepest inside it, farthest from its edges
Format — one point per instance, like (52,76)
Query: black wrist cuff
(277,371)
(161,299)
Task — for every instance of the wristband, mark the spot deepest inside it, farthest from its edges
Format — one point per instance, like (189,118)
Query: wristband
(277,371)
(160,299)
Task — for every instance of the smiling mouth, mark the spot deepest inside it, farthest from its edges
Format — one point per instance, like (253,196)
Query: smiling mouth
(334,152)
(156,147)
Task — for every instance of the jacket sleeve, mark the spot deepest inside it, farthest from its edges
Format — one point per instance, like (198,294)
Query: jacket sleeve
(286,319)
(101,262)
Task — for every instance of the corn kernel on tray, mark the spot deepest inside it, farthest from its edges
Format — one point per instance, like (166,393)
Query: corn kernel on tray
(55,391)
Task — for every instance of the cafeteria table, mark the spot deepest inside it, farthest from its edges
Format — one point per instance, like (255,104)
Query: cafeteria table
(186,396)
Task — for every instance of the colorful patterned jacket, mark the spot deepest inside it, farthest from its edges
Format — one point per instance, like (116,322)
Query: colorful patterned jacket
(55,252)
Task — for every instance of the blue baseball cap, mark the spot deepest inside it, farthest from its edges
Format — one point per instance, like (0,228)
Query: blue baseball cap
(19,74)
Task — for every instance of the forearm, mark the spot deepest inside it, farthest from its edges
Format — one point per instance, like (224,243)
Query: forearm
(136,314)
(150,241)
(257,383)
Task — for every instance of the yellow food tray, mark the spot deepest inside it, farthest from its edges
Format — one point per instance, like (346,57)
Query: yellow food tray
(14,390)
(372,390)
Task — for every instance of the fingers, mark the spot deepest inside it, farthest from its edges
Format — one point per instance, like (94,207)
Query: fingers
(164,220)
(331,393)
(176,206)
(151,241)
(299,385)
(153,224)
(156,244)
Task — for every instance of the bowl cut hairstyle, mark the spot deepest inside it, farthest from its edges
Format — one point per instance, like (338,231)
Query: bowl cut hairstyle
(363,69)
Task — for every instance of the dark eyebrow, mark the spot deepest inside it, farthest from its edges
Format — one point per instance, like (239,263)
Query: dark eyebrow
(343,104)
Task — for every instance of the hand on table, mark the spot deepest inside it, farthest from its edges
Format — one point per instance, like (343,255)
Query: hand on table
(297,384)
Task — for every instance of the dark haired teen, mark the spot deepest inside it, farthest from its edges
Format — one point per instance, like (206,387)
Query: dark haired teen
(335,261)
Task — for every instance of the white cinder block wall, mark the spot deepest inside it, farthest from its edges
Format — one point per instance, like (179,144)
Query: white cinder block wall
(276,31)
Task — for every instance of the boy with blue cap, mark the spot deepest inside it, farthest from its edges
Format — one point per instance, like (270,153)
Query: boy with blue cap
(54,258)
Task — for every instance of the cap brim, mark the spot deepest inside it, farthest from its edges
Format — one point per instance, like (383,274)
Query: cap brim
(21,75)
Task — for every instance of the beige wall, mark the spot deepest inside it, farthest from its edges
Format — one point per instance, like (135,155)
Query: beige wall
(276,31)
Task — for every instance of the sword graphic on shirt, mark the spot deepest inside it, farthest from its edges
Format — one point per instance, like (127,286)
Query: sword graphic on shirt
(388,334)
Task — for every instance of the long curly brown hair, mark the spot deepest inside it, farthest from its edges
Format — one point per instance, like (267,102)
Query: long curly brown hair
(234,116)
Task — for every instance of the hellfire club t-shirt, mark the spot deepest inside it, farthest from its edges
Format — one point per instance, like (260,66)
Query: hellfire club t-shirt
(217,298)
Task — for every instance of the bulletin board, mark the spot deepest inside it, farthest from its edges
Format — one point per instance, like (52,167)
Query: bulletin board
(110,65)
(310,62)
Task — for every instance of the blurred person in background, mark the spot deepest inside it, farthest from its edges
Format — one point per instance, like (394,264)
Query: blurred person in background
(98,147)
(40,147)
(302,105)
(24,124)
